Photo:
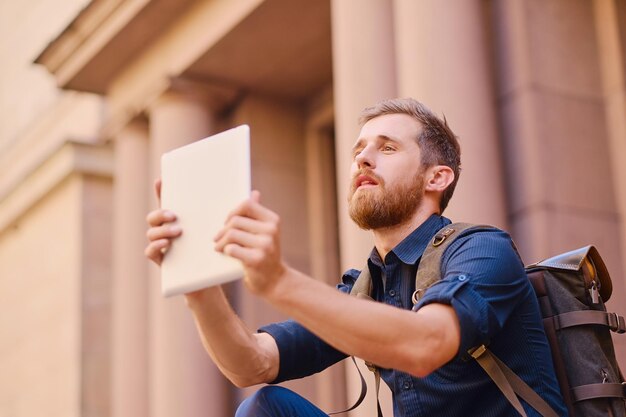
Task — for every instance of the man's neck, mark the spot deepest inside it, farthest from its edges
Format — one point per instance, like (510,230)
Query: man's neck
(385,239)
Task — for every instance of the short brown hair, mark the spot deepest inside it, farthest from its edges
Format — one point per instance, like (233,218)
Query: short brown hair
(438,144)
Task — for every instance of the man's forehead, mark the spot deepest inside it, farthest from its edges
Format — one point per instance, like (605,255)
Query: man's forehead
(395,126)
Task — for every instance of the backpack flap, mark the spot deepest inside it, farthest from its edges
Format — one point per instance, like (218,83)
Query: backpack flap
(588,261)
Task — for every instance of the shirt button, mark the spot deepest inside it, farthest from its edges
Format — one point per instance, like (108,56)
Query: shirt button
(392,293)
(462,277)
(406,385)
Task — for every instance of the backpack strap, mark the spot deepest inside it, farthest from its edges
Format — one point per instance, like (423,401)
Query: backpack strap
(429,270)
(362,288)
(361,396)
(510,384)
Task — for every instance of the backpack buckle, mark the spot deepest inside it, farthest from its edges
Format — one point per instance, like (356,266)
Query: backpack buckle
(442,236)
(417,294)
(371,366)
(478,351)
(616,323)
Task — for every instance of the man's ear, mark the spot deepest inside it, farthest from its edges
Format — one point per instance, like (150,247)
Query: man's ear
(438,178)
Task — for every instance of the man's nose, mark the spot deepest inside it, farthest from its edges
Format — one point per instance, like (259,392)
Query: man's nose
(365,158)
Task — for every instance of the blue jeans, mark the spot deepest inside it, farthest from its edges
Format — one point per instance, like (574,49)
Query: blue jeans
(275,401)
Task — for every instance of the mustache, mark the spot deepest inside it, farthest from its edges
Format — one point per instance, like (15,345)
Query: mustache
(368,173)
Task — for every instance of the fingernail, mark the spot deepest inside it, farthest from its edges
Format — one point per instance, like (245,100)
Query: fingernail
(175,229)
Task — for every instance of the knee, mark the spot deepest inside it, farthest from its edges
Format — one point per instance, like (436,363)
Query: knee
(262,403)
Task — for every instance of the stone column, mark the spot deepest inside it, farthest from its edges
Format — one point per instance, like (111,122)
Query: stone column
(610,24)
(277,153)
(363,74)
(129,373)
(443,61)
(322,203)
(555,128)
(183,380)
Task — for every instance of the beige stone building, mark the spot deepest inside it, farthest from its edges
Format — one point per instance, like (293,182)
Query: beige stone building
(93,92)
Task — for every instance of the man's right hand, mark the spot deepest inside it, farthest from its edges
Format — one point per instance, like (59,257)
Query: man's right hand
(161,231)
(243,357)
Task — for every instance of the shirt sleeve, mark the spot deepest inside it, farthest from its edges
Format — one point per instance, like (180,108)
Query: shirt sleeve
(302,353)
(484,280)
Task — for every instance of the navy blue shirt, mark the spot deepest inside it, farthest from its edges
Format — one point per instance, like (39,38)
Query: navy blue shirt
(483,279)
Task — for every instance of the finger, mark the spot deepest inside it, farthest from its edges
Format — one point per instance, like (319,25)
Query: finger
(157,189)
(246,224)
(247,256)
(239,210)
(244,239)
(255,196)
(159,216)
(252,208)
(155,250)
(163,232)
(258,211)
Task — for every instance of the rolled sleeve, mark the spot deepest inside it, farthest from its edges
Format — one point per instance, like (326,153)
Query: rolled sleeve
(484,281)
(302,353)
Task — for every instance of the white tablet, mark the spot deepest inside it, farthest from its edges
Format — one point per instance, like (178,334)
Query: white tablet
(201,183)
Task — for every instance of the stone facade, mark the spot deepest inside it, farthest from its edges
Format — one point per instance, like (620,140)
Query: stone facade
(93,92)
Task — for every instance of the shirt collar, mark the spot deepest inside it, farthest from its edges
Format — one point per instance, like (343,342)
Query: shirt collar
(412,247)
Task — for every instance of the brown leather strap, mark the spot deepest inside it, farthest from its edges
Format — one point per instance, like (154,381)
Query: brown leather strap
(613,321)
(362,287)
(482,356)
(377,379)
(602,390)
(510,384)
(361,396)
(429,271)
(376,371)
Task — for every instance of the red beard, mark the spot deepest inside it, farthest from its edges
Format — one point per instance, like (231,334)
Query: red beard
(382,207)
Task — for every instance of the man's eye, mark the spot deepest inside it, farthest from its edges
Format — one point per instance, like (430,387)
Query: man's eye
(388,148)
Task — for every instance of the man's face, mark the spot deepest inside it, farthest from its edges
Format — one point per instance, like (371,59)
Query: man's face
(387,179)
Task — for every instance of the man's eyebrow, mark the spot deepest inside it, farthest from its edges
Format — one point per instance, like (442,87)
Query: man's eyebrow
(358,144)
(388,138)
(384,138)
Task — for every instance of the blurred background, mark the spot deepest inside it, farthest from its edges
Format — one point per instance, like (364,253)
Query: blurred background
(93,92)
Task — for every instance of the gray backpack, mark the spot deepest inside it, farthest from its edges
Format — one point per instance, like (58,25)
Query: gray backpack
(571,289)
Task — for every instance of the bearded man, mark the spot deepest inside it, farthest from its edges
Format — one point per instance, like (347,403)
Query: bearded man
(406,163)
